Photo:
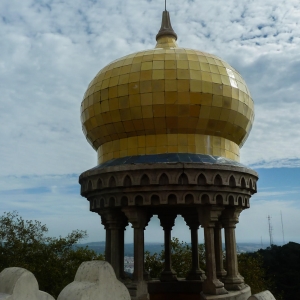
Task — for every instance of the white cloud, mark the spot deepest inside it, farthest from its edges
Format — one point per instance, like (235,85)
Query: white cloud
(50,50)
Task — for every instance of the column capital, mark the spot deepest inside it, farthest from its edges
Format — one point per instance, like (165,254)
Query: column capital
(230,216)
(138,217)
(209,215)
(113,219)
(191,219)
(167,220)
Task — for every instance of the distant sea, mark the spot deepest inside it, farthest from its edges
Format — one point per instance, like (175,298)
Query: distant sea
(99,247)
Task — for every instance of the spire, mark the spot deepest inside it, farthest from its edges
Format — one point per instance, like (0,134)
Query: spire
(166,27)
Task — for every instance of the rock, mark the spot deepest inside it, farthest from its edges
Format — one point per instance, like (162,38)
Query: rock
(265,295)
(20,284)
(95,280)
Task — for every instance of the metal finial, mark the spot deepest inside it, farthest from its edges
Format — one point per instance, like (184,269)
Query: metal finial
(166,27)
(165,5)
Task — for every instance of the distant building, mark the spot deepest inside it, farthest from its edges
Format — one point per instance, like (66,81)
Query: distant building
(167,125)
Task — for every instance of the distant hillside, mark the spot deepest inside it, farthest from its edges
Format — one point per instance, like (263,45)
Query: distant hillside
(99,247)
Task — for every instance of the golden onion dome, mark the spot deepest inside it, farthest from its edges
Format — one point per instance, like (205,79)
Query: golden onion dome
(167,100)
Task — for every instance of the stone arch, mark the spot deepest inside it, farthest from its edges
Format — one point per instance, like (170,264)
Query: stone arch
(232,182)
(139,200)
(240,200)
(201,179)
(112,202)
(155,200)
(204,199)
(124,201)
(250,184)
(218,180)
(112,182)
(230,199)
(145,180)
(243,183)
(163,179)
(102,201)
(172,199)
(183,179)
(189,199)
(127,181)
(99,183)
(219,199)
(89,185)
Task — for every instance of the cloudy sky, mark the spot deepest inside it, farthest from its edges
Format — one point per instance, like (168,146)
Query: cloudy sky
(51,49)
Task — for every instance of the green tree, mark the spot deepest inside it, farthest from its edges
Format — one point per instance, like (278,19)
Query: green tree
(53,261)
(181,257)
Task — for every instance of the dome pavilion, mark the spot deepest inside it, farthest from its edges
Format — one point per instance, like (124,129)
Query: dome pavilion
(167,124)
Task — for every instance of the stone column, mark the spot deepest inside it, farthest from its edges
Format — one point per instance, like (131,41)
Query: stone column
(218,249)
(192,221)
(233,280)
(167,222)
(115,221)
(139,220)
(107,238)
(208,216)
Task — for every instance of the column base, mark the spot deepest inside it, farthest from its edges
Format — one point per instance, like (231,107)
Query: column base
(243,294)
(196,275)
(214,287)
(221,274)
(138,290)
(234,283)
(166,276)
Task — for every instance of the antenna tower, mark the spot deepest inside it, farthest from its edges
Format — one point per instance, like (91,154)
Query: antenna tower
(282,228)
(270,230)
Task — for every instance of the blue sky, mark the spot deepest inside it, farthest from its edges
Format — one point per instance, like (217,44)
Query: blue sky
(52,49)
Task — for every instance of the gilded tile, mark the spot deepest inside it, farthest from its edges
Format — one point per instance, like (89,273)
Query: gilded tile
(135,100)
(170,74)
(146,66)
(183,97)
(170,64)
(146,75)
(146,99)
(133,88)
(171,97)
(158,97)
(134,77)
(158,64)
(158,74)
(145,86)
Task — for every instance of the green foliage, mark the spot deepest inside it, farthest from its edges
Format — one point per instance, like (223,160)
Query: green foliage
(282,264)
(181,258)
(53,261)
(252,269)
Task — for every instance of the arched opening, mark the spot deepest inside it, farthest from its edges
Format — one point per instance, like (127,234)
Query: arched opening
(232,182)
(124,201)
(145,180)
(201,180)
(90,186)
(205,199)
(112,202)
(218,180)
(99,183)
(183,179)
(139,200)
(219,199)
(163,179)
(127,181)
(189,199)
(243,183)
(112,182)
(155,200)
(172,199)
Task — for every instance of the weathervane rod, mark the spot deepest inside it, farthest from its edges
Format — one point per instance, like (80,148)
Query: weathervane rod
(165,5)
